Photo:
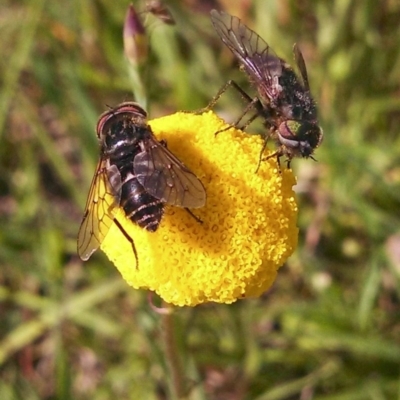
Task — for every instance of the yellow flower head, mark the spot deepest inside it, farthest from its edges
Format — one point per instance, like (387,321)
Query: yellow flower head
(249,220)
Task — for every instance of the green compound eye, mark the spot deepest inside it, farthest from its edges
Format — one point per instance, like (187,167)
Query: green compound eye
(299,138)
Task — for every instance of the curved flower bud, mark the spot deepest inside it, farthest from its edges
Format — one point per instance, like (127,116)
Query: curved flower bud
(135,39)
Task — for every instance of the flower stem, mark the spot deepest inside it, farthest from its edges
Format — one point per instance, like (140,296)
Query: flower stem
(171,349)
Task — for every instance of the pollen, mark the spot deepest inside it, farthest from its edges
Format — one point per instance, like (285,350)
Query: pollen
(248,225)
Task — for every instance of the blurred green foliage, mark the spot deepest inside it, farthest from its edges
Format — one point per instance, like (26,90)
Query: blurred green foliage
(330,327)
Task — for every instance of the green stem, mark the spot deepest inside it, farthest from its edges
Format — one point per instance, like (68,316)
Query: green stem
(172,355)
(138,87)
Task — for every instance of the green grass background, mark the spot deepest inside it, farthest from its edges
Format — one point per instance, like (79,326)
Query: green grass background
(329,329)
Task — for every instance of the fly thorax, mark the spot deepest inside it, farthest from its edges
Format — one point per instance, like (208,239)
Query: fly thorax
(122,140)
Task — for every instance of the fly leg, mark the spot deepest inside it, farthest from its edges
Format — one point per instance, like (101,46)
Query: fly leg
(253,103)
(125,233)
(261,153)
(277,154)
(220,92)
(194,216)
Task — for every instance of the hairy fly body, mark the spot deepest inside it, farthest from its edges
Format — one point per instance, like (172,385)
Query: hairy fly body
(137,173)
(283,101)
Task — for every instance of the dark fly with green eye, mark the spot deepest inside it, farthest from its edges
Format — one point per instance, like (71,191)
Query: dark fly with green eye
(284,102)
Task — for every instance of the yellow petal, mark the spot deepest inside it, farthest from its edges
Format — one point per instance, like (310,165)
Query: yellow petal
(249,220)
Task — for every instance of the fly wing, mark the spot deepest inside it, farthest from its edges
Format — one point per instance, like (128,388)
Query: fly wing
(101,206)
(298,57)
(259,61)
(167,178)
(310,110)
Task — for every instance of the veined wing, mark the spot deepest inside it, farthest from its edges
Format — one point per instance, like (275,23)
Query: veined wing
(100,210)
(259,61)
(298,57)
(165,177)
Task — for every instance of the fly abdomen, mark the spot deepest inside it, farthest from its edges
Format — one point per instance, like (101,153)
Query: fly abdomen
(139,206)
